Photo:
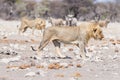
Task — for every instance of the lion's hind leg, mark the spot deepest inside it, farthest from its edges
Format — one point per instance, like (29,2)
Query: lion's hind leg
(82,48)
(43,44)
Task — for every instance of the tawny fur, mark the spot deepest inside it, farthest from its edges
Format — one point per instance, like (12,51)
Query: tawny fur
(56,22)
(81,34)
(104,23)
(37,23)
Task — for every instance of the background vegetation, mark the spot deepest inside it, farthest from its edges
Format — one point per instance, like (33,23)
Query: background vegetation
(81,9)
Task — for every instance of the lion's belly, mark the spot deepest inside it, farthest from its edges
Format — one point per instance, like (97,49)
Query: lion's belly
(69,40)
(74,42)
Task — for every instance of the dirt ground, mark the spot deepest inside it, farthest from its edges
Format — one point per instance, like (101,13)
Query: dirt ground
(19,62)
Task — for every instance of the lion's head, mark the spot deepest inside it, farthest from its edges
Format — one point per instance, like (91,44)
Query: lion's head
(97,33)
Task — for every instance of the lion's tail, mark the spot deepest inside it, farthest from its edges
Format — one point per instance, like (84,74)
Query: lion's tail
(33,48)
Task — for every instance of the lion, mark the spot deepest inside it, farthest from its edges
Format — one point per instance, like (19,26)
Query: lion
(32,24)
(69,35)
(56,22)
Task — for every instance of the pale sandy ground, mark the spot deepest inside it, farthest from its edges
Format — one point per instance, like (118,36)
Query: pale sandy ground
(21,63)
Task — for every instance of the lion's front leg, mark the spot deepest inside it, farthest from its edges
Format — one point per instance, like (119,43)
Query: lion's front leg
(83,51)
(57,47)
(33,29)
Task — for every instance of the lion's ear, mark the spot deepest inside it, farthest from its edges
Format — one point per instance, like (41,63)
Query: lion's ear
(94,30)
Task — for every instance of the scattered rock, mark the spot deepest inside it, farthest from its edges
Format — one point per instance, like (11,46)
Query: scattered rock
(105,47)
(32,63)
(8,52)
(114,43)
(30,74)
(32,40)
(11,67)
(77,74)
(70,64)
(41,73)
(54,66)
(71,49)
(118,41)
(7,60)
(78,65)
(4,37)
(24,66)
(116,50)
(39,66)
(77,57)
(54,61)
(35,57)
(89,50)
(64,65)
(60,75)
(26,41)
(115,56)
(111,40)
(72,78)
(97,59)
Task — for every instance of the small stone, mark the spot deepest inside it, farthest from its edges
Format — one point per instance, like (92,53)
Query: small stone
(4,37)
(78,57)
(89,50)
(116,50)
(38,73)
(26,41)
(30,74)
(8,53)
(39,66)
(70,64)
(11,67)
(55,66)
(77,74)
(111,40)
(65,65)
(71,49)
(118,41)
(32,40)
(105,47)
(41,73)
(114,43)
(78,65)
(24,66)
(7,60)
(60,75)
(32,64)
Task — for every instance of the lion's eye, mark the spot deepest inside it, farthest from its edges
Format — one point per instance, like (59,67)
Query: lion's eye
(95,30)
